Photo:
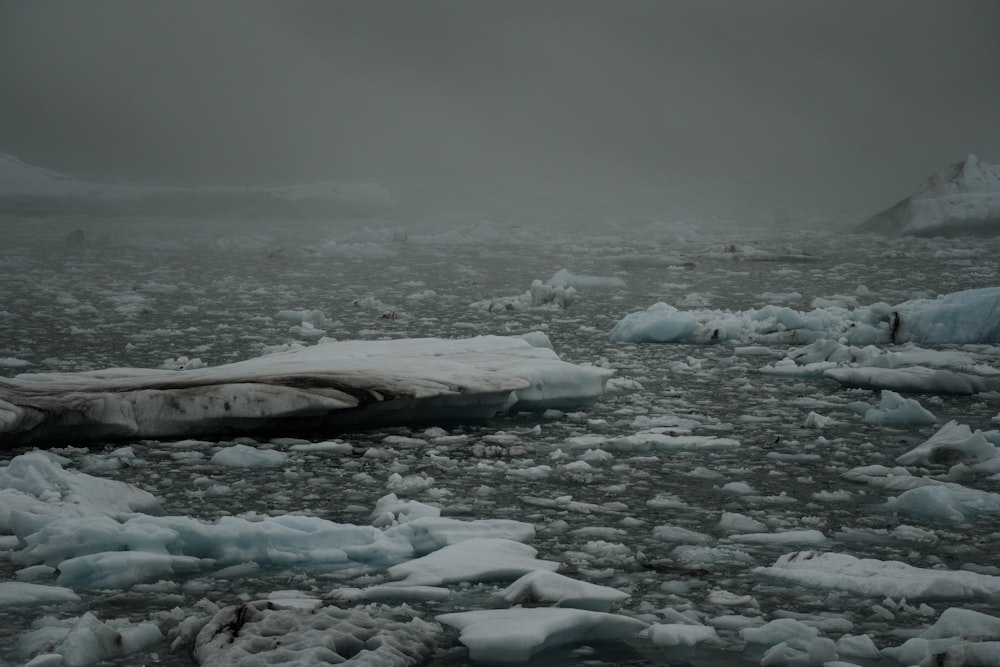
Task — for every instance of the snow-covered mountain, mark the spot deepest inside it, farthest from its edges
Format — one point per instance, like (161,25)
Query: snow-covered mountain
(962,199)
(30,190)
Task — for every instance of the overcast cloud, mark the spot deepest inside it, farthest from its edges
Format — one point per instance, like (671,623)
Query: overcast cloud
(845,104)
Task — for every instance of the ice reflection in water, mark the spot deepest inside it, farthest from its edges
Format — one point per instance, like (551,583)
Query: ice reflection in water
(125,300)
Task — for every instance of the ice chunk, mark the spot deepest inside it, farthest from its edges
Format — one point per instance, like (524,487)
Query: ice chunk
(937,502)
(959,637)
(894,409)
(679,634)
(914,380)
(244,456)
(660,323)
(514,635)
(858,646)
(964,623)
(37,486)
(543,587)
(952,443)
(476,559)
(733,522)
(970,316)
(123,569)
(871,577)
(789,631)
(19,594)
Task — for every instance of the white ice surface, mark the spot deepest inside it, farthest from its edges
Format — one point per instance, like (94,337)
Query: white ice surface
(38,489)
(895,409)
(952,443)
(21,594)
(546,588)
(971,316)
(958,637)
(343,383)
(680,634)
(101,541)
(513,635)
(963,198)
(476,559)
(879,578)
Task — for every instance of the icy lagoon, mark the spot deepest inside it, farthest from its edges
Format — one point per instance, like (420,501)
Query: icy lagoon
(756,491)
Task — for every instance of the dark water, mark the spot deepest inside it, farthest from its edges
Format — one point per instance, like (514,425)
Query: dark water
(150,293)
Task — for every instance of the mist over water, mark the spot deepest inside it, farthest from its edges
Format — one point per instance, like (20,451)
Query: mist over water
(758,105)
(711,155)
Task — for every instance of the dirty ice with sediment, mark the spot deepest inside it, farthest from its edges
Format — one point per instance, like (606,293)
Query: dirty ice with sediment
(738,444)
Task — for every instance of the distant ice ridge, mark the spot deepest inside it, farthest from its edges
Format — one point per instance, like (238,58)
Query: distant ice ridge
(970,316)
(964,198)
(331,384)
(29,190)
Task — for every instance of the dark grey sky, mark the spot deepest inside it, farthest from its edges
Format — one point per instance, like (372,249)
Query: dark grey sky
(845,104)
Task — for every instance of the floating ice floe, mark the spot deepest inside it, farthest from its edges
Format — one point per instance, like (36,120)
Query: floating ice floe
(671,635)
(23,594)
(914,380)
(476,559)
(34,488)
(559,291)
(510,636)
(952,443)
(893,409)
(328,385)
(86,640)
(873,578)
(958,637)
(93,533)
(964,198)
(943,502)
(546,588)
(971,316)
(650,440)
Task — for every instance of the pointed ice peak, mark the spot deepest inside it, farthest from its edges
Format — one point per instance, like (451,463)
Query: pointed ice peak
(962,198)
(969,175)
(976,176)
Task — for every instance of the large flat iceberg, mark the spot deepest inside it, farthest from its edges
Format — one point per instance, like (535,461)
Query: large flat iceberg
(331,385)
(964,198)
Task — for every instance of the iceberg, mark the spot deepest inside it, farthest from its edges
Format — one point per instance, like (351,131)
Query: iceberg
(514,635)
(30,190)
(968,316)
(870,577)
(331,385)
(964,198)
(543,587)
